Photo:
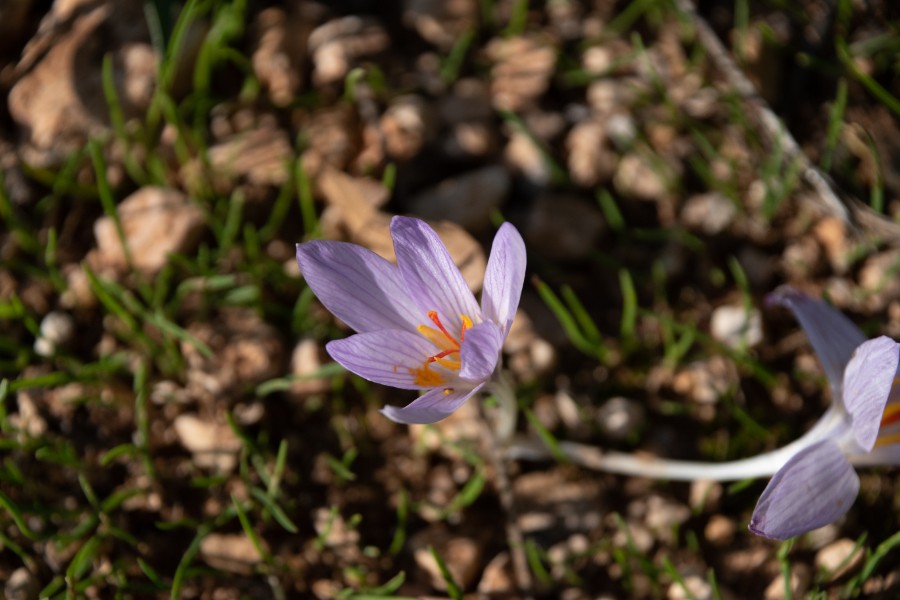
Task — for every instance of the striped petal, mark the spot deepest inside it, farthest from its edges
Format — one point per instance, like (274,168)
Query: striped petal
(432,278)
(388,357)
(814,488)
(480,351)
(504,277)
(430,407)
(867,385)
(359,287)
(833,336)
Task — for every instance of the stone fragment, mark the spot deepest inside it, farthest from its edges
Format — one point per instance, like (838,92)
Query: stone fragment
(839,558)
(710,213)
(468,200)
(590,160)
(261,156)
(521,71)
(639,177)
(692,586)
(798,582)
(831,232)
(879,279)
(280,51)
(57,330)
(306,360)
(58,100)
(705,495)
(461,554)
(620,418)
(21,584)
(497,577)
(234,553)
(156,222)
(407,124)
(337,45)
(720,530)
(736,325)
(441,22)
(213,445)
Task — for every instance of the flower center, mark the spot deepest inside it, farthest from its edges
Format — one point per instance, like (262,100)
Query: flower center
(448,354)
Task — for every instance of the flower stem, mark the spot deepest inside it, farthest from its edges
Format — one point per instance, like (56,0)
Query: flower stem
(497,436)
(761,465)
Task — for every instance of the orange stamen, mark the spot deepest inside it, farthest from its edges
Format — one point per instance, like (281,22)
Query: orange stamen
(891,414)
(432,314)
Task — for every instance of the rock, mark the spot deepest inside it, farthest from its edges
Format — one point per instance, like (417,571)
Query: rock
(408,124)
(736,326)
(831,232)
(839,558)
(641,178)
(710,213)
(664,514)
(799,581)
(551,503)
(878,278)
(620,418)
(521,72)
(21,584)
(468,200)
(705,495)
(497,578)
(333,530)
(306,360)
(622,131)
(280,52)
(58,100)
(563,227)
(524,155)
(693,587)
(234,553)
(246,352)
(441,22)
(706,381)
(57,331)
(260,156)
(720,530)
(461,555)
(337,45)
(28,421)
(156,222)
(590,161)
(213,445)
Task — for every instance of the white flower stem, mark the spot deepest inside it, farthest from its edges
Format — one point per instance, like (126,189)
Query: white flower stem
(507,407)
(497,437)
(762,465)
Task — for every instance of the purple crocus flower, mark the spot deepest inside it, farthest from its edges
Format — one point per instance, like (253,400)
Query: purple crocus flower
(419,326)
(862,427)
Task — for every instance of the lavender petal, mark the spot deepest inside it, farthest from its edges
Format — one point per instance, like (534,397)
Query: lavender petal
(504,277)
(833,336)
(815,487)
(430,407)
(431,276)
(868,379)
(386,357)
(357,286)
(480,351)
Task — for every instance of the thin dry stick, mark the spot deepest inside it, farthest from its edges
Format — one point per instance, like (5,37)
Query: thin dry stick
(771,124)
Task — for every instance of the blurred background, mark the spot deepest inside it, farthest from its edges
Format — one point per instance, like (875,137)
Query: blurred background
(170,425)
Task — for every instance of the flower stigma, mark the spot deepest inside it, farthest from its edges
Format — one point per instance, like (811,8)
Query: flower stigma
(449,347)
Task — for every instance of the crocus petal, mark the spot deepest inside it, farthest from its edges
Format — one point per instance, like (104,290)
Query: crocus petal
(480,351)
(357,286)
(386,357)
(815,487)
(504,277)
(431,276)
(833,336)
(430,407)
(867,385)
